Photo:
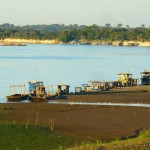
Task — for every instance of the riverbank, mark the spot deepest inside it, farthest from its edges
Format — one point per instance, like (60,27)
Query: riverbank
(7,41)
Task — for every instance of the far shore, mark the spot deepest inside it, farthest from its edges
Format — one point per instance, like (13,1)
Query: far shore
(20,42)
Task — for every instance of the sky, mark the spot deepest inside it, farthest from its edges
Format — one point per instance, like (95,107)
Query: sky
(82,12)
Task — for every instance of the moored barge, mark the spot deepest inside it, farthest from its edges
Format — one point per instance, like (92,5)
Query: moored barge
(17,97)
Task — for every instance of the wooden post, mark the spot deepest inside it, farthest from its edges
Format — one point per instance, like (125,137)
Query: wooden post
(112,108)
(36,118)
(27,123)
(52,124)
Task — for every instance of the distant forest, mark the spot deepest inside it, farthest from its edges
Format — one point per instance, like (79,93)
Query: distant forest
(75,33)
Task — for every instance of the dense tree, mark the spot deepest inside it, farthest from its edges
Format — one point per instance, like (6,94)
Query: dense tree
(107,25)
(119,25)
(127,26)
(75,32)
(143,26)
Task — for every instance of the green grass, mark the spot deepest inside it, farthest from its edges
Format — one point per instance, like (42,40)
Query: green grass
(18,137)
(141,142)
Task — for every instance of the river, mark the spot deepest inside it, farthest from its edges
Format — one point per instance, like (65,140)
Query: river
(68,64)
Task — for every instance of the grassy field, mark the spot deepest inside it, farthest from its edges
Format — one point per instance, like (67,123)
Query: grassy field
(18,137)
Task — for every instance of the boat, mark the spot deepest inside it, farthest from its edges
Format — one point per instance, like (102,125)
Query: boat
(42,98)
(37,92)
(17,97)
(38,98)
(145,77)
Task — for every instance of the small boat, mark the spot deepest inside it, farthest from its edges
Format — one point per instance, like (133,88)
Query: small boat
(17,97)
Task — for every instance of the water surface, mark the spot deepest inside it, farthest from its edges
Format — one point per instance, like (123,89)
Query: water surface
(68,64)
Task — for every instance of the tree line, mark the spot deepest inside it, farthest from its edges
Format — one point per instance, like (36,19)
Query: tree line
(75,33)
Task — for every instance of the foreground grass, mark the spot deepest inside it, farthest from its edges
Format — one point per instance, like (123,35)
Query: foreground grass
(141,142)
(18,137)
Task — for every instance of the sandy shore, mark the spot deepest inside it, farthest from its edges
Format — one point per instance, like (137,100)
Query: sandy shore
(54,41)
(144,44)
(30,41)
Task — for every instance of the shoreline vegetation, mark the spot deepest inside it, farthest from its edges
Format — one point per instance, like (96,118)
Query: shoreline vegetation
(23,42)
(74,34)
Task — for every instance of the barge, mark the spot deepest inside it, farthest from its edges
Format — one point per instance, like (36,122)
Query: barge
(19,96)
(145,77)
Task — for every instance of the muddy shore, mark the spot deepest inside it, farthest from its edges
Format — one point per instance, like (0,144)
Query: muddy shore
(136,94)
(102,122)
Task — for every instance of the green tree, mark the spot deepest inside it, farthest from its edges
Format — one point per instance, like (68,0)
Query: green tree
(143,26)
(107,25)
(119,25)
(127,26)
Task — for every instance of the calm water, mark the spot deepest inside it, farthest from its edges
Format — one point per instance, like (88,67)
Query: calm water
(68,64)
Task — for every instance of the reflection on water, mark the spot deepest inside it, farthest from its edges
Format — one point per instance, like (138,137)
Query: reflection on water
(68,64)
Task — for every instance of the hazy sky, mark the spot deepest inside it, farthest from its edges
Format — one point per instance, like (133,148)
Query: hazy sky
(23,12)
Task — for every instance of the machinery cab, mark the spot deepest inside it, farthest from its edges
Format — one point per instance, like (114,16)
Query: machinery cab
(145,78)
(36,88)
